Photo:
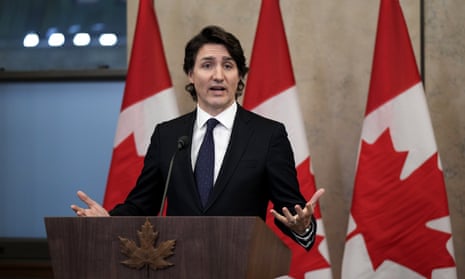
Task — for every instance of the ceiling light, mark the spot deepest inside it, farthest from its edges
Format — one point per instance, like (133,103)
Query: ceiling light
(31,40)
(56,40)
(81,39)
(108,39)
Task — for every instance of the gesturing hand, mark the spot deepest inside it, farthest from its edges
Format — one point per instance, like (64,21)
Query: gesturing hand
(94,208)
(301,221)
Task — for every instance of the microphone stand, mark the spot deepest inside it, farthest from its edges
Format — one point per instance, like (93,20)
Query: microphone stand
(182,142)
(167,183)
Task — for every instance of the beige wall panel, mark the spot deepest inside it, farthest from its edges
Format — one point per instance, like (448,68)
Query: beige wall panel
(445,92)
(331,45)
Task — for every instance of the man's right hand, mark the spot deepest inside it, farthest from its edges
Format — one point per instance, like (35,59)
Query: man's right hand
(94,208)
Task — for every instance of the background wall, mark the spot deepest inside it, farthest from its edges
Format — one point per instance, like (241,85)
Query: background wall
(445,88)
(331,45)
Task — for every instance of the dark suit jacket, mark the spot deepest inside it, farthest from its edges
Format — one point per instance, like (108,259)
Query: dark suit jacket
(258,167)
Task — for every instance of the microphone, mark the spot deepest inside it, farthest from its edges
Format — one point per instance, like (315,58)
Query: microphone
(182,143)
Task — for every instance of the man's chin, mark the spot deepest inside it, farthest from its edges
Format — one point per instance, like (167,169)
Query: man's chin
(219,104)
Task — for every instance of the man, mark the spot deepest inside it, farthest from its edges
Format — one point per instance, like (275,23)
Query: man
(253,159)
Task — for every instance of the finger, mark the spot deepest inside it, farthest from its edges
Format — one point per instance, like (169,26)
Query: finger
(314,199)
(316,196)
(291,219)
(95,209)
(81,213)
(75,208)
(287,219)
(78,210)
(289,216)
(301,213)
(86,199)
(278,216)
(309,208)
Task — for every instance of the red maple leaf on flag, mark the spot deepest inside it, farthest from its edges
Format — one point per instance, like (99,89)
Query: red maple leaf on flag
(392,215)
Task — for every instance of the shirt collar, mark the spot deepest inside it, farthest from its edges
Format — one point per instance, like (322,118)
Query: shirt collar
(226,118)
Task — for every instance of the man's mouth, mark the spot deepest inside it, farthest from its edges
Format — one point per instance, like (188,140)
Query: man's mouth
(217,88)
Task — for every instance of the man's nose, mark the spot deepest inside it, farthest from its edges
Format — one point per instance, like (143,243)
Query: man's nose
(218,74)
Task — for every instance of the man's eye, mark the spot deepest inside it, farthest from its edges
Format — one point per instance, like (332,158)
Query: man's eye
(206,65)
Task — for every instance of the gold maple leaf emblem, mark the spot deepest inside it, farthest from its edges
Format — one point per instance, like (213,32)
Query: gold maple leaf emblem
(147,255)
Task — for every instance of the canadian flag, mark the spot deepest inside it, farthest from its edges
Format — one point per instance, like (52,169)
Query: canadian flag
(148,99)
(399,226)
(271,91)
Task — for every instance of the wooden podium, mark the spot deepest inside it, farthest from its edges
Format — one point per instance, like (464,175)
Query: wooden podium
(205,247)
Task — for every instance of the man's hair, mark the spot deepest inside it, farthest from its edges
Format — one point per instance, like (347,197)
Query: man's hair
(215,35)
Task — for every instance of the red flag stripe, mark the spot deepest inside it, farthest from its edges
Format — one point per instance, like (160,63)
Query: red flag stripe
(265,59)
(147,58)
(388,78)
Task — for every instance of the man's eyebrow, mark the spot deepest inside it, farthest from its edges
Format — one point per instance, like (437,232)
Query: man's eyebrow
(209,58)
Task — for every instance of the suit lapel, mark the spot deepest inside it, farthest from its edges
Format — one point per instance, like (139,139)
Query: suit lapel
(184,158)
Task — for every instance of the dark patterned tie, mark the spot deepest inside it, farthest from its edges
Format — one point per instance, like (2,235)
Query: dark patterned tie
(204,168)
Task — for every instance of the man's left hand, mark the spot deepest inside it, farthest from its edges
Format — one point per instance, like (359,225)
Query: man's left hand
(301,221)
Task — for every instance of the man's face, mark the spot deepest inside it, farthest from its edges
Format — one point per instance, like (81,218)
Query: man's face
(215,76)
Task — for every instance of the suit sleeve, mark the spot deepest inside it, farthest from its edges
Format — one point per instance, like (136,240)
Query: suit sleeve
(285,191)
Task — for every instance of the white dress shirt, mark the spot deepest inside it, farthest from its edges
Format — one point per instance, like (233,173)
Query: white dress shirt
(221,134)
